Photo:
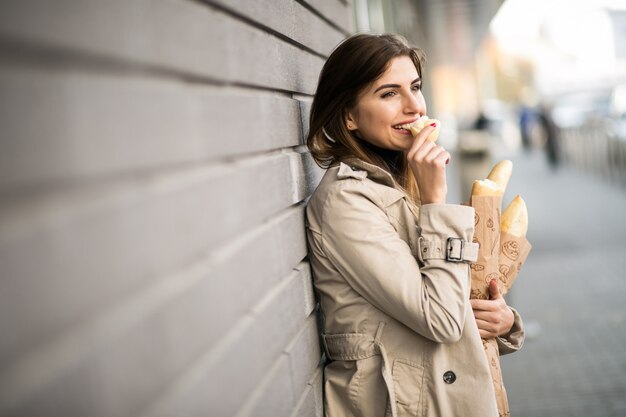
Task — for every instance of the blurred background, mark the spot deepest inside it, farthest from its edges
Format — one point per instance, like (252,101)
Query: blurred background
(153,179)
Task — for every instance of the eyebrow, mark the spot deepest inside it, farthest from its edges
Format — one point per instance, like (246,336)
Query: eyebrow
(395,85)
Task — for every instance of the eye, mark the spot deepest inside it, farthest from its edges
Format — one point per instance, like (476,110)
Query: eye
(416,87)
(389,94)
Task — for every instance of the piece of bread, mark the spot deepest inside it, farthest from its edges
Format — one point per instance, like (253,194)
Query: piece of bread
(486,187)
(501,173)
(514,220)
(421,123)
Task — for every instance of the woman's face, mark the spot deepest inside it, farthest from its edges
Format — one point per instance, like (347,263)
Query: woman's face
(392,100)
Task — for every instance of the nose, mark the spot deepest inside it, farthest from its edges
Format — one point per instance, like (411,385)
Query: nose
(414,104)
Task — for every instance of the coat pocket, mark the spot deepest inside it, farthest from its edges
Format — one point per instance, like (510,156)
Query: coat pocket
(408,383)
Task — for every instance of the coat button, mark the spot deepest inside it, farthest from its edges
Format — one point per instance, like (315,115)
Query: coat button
(449,377)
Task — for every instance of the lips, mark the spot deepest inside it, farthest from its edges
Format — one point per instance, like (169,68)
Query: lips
(403,128)
(415,127)
(407,126)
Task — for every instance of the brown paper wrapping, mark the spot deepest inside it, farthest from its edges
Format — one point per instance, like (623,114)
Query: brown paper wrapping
(513,253)
(500,257)
(493,358)
(487,235)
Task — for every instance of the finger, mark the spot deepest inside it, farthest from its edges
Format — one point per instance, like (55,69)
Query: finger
(423,150)
(492,324)
(436,152)
(483,305)
(493,321)
(486,335)
(486,326)
(494,290)
(420,139)
(482,318)
(442,158)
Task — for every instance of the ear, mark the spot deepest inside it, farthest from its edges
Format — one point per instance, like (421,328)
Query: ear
(351,123)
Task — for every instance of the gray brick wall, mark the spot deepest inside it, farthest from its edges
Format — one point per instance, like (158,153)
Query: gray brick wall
(153,177)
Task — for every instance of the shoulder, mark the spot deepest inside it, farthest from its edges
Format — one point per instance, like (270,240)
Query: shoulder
(345,189)
(340,187)
(346,184)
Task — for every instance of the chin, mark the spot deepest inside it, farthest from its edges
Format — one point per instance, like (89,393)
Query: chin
(402,146)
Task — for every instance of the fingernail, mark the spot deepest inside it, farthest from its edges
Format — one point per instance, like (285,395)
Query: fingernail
(433,124)
(447,161)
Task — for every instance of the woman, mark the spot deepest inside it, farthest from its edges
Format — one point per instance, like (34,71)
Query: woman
(400,332)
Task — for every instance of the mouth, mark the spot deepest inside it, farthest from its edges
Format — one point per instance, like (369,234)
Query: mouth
(403,127)
(407,126)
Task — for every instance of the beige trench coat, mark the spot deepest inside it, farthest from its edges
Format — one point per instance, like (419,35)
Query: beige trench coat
(398,325)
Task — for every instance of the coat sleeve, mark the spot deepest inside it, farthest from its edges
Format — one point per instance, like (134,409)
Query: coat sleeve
(365,248)
(514,339)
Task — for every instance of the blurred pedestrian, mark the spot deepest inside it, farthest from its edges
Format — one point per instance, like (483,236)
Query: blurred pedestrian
(526,120)
(389,256)
(550,133)
(481,122)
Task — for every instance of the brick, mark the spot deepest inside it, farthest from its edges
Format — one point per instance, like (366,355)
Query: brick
(182,36)
(306,405)
(289,18)
(339,12)
(225,376)
(273,397)
(304,356)
(258,265)
(76,254)
(305,112)
(313,173)
(120,362)
(316,383)
(309,294)
(63,127)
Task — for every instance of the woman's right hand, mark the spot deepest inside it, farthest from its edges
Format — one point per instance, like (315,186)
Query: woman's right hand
(428,163)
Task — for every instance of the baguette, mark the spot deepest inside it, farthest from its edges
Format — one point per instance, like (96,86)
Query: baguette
(486,187)
(514,220)
(420,124)
(501,173)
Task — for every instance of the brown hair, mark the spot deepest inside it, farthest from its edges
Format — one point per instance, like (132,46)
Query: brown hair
(354,64)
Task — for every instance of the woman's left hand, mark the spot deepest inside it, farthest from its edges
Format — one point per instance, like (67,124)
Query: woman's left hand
(493,317)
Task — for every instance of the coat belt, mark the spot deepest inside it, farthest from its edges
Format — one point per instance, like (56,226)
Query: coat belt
(355,346)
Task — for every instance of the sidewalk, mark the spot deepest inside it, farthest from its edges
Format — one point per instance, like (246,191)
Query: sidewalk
(571,294)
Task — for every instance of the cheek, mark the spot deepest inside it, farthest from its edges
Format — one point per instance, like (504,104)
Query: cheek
(381,114)
(376,116)
(377,122)
(369,118)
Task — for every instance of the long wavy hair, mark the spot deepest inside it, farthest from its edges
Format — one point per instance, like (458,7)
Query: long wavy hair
(355,63)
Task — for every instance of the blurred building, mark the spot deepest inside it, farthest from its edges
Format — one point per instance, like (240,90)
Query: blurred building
(569,46)
(565,61)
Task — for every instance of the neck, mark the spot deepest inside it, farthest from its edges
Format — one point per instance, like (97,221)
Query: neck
(392,158)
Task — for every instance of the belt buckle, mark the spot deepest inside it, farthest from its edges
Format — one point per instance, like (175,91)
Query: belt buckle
(450,247)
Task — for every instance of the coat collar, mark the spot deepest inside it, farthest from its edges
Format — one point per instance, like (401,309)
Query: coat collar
(358,169)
